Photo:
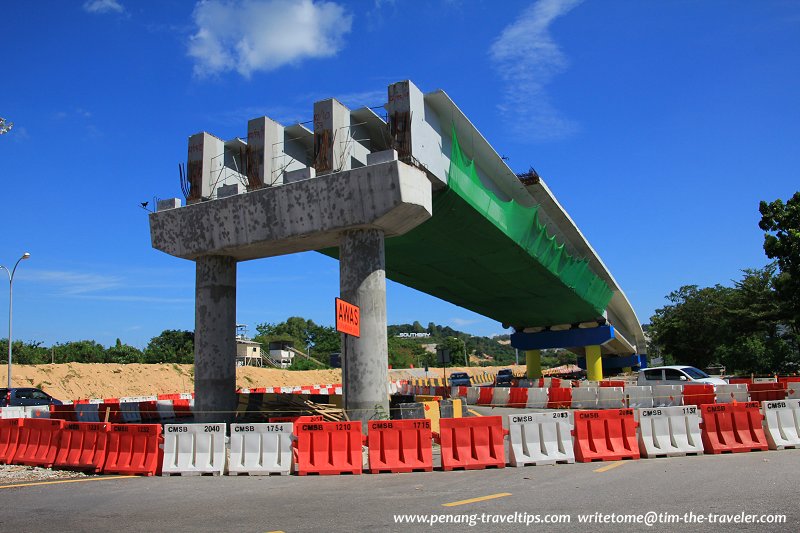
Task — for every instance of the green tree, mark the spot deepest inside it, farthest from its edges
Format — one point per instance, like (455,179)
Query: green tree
(456,348)
(781,222)
(171,346)
(86,351)
(124,354)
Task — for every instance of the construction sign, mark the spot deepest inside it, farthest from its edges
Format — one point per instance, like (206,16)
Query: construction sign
(348,318)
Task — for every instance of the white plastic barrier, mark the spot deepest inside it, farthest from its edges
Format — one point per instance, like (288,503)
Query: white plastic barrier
(500,396)
(165,410)
(667,395)
(765,380)
(540,438)
(37,411)
(526,383)
(194,449)
(472,395)
(582,384)
(261,449)
(670,431)
(731,393)
(130,412)
(782,423)
(610,398)
(12,412)
(537,398)
(87,412)
(584,398)
(793,390)
(639,396)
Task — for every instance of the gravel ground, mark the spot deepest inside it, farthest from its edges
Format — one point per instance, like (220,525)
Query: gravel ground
(10,474)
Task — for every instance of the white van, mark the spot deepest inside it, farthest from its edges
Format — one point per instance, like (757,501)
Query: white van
(676,375)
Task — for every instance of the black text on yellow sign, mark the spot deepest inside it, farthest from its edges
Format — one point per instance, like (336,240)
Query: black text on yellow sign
(348,318)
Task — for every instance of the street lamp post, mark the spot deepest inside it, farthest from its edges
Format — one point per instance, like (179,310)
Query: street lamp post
(11,273)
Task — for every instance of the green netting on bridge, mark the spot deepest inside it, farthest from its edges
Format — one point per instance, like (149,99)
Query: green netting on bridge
(493,257)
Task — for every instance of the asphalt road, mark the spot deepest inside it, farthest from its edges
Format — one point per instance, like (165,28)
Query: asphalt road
(757,483)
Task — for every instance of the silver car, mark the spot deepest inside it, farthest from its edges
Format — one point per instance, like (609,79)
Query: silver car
(676,375)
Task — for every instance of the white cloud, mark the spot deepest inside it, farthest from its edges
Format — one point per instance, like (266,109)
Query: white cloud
(262,35)
(103,6)
(74,283)
(528,59)
(461,322)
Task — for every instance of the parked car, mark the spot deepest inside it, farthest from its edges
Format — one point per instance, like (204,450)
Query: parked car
(503,378)
(459,379)
(676,375)
(25,396)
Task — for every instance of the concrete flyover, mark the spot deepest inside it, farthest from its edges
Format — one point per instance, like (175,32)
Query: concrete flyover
(417,196)
(354,209)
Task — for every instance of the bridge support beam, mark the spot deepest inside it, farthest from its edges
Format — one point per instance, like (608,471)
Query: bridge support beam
(533,362)
(362,281)
(594,364)
(214,340)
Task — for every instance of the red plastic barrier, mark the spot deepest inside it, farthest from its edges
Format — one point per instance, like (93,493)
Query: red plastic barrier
(462,391)
(699,394)
(740,381)
(607,435)
(82,446)
(559,398)
(305,418)
(328,448)
(38,442)
(9,436)
(612,383)
(400,446)
(149,411)
(472,443)
(169,396)
(729,427)
(182,408)
(517,397)
(63,412)
(766,392)
(134,449)
(114,412)
(485,396)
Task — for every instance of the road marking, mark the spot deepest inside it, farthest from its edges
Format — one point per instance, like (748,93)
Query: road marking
(475,500)
(474,413)
(609,467)
(276,531)
(104,478)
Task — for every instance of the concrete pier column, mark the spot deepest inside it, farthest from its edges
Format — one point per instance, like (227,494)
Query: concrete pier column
(594,364)
(533,362)
(215,339)
(362,281)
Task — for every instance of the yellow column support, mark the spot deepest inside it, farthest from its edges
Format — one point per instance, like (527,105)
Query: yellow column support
(627,369)
(533,361)
(594,365)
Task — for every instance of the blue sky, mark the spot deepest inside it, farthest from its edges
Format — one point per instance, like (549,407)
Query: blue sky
(658,125)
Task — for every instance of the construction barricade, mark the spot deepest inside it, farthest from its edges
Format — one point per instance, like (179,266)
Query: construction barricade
(134,449)
(610,398)
(584,398)
(83,446)
(698,394)
(517,397)
(639,396)
(615,383)
(781,424)
(194,449)
(540,438)
(38,440)
(559,397)
(767,391)
(399,446)
(733,427)
(9,436)
(667,395)
(87,412)
(473,393)
(731,393)
(501,396)
(472,443)
(130,412)
(12,412)
(63,412)
(485,396)
(329,448)
(605,435)
(261,449)
(670,431)
(793,390)
(37,411)
(537,398)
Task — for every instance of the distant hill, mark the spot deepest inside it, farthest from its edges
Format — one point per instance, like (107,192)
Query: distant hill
(480,349)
